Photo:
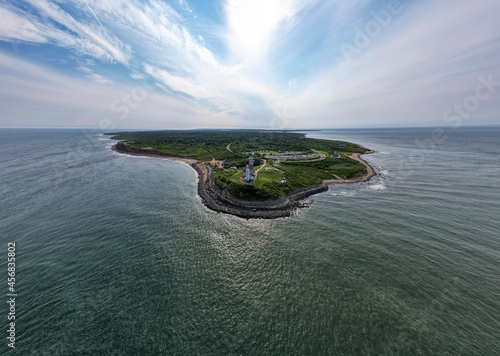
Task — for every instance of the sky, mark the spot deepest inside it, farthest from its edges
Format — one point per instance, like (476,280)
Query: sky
(275,64)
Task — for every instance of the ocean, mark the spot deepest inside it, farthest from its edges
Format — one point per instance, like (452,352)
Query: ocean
(116,255)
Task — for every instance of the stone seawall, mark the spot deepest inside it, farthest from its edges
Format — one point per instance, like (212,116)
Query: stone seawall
(221,201)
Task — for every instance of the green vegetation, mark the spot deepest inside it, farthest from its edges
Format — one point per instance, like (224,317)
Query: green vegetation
(343,167)
(204,145)
(223,178)
(271,176)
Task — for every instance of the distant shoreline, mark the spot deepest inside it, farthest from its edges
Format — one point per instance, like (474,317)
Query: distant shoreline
(221,201)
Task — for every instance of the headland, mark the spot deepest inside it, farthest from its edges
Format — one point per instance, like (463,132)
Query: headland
(254,180)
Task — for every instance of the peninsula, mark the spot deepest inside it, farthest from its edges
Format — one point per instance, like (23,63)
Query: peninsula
(250,173)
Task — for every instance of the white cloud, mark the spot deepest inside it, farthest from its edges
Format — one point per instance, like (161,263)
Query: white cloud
(100,79)
(177,83)
(185,6)
(429,58)
(15,27)
(94,76)
(275,65)
(155,25)
(253,24)
(36,96)
(137,76)
(90,39)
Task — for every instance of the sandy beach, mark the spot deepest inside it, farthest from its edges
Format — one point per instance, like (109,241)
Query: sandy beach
(188,161)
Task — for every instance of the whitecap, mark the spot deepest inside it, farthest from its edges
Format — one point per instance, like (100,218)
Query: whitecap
(343,193)
(378,187)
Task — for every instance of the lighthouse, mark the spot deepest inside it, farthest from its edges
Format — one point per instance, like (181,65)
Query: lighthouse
(248,176)
(249,171)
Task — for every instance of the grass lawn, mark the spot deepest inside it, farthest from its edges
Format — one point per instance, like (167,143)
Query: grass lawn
(236,176)
(270,176)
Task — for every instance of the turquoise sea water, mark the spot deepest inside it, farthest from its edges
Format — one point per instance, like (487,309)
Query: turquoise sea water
(116,255)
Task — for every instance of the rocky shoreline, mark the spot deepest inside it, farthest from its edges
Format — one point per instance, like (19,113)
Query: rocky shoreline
(221,201)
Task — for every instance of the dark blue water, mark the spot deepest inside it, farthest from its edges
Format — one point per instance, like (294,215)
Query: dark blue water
(116,255)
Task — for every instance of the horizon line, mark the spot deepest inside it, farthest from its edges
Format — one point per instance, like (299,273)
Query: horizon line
(248,128)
